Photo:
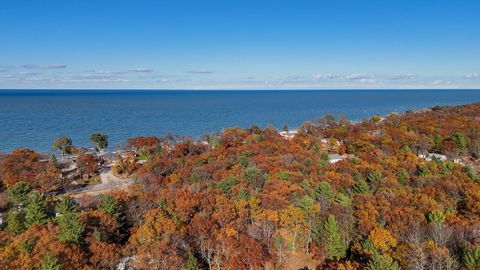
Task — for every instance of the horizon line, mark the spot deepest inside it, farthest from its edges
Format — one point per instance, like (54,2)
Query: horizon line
(230,89)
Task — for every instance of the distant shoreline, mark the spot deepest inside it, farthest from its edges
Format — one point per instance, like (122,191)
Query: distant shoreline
(34,118)
(83,90)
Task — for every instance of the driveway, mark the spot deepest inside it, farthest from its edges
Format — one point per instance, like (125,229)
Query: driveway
(109,183)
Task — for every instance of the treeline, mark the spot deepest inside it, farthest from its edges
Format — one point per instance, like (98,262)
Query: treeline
(253,199)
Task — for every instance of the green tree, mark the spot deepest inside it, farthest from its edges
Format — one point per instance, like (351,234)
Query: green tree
(460,140)
(63,144)
(324,159)
(50,262)
(17,194)
(72,228)
(379,262)
(343,200)
(472,258)
(324,190)
(243,160)
(35,212)
(374,176)
(243,194)
(53,159)
(67,205)
(335,246)
(472,174)
(285,175)
(111,206)
(15,223)
(437,140)
(361,187)
(192,263)
(422,170)
(68,219)
(285,127)
(402,176)
(436,216)
(306,203)
(100,141)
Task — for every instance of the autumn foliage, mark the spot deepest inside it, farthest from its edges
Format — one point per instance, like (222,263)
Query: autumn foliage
(253,199)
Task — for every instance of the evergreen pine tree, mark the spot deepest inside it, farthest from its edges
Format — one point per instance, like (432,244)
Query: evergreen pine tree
(361,187)
(68,220)
(68,205)
(17,194)
(110,205)
(324,190)
(35,212)
(49,262)
(306,203)
(192,263)
(334,245)
(15,223)
(380,262)
(343,200)
(472,259)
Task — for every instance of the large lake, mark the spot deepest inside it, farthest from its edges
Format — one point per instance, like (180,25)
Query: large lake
(34,118)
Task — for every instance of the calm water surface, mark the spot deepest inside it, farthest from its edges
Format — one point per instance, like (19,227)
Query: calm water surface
(34,118)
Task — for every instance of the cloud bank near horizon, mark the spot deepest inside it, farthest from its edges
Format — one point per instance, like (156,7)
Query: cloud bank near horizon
(58,76)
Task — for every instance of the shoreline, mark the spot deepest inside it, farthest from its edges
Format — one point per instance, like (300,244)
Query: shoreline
(291,107)
(286,134)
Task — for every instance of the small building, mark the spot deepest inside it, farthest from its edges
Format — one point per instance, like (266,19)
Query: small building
(334,158)
(2,218)
(71,167)
(459,161)
(288,134)
(433,156)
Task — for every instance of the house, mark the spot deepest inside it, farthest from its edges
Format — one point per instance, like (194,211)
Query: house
(71,167)
(288,134)
(459,161)
(334,158)
(2,218)
(433,156)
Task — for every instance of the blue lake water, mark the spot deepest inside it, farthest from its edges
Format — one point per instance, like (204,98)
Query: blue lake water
(34,118)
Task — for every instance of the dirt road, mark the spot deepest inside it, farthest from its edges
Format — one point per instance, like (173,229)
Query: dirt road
(109,183)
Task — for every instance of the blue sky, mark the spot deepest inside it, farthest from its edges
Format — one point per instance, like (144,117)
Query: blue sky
(240,44)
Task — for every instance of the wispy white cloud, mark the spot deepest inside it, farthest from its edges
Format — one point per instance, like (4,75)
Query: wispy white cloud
(200,71)
(473,76)
(363,78)
(28,73)
(170,80)
(354,77)
(141,70)
(86,78)
(403,77)
(5,68)
(359,76)
(50,66)
(34,76)
(103,72)
(323,77)
(441,83)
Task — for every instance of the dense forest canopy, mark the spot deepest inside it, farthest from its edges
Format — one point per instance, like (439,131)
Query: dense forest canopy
(402,193)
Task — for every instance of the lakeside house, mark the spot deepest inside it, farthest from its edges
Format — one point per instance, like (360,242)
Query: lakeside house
(288,134)
(334,158)
(433,156)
